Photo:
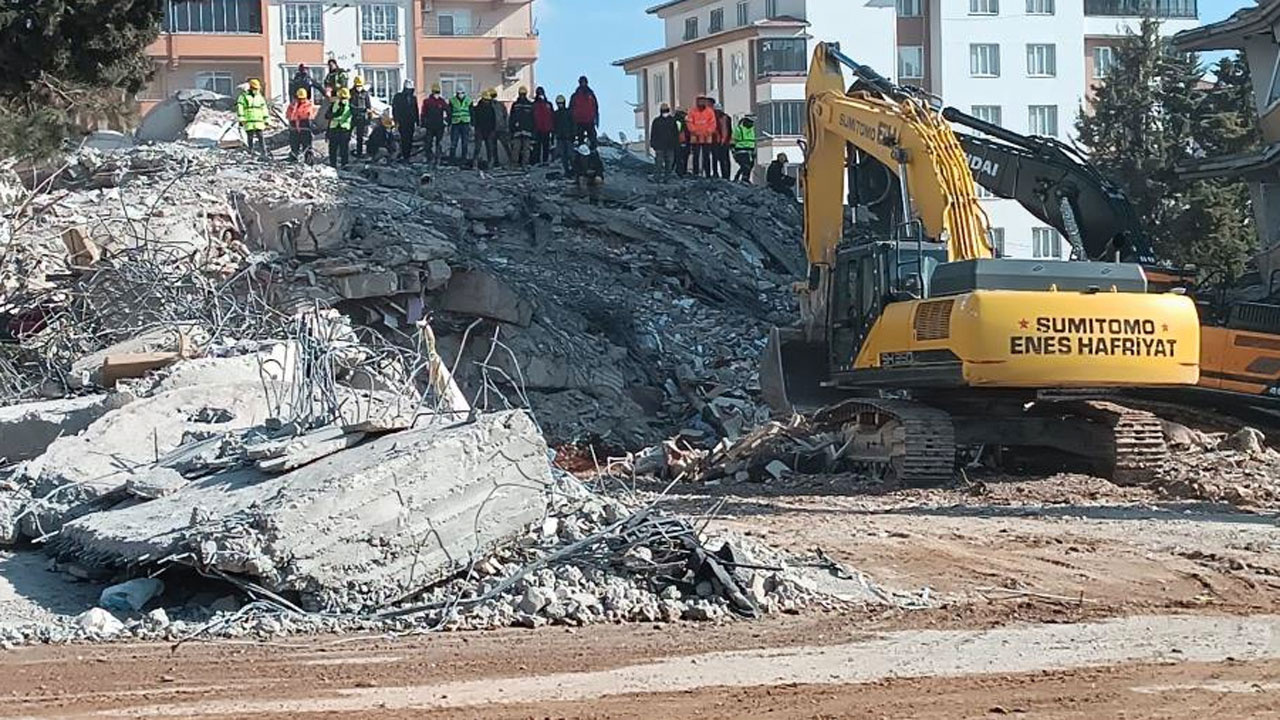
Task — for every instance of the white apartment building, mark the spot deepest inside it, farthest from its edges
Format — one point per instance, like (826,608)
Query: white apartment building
(1027,65)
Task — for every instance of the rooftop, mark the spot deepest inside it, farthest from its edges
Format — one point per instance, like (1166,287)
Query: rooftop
(1229,34)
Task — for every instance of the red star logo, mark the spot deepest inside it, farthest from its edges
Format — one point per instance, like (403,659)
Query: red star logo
(1024,324)
(1164,327)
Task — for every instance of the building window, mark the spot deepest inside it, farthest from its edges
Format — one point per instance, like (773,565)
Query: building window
(781,117)
(219,82)
(996,237)
(454,22)
(379,22)
(383,83)
(908,8)
(984,60)
(781,56)
(737,68)
(744,13)
(1104,57)
(691,28)
(911,61)
(716,24)
(228,17)
(452,82)
(1135,8)
(713,75)
(984,7)
(771,8)
(303,22)
(1039,7)
(1042,60)
(987,113)
(1042,120)
(659,87)
(1046,243)
(1274,93)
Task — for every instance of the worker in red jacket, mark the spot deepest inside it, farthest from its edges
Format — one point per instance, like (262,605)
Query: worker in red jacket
(435,118)
(544,124)
(586,112)
(724,141)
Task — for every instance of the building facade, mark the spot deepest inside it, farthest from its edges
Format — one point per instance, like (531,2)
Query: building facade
(1028,65)
(218,44)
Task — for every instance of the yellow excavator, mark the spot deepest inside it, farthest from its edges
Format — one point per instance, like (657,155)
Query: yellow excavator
(933,343)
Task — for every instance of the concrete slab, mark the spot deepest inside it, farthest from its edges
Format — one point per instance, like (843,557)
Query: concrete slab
(354,529)
(26,430)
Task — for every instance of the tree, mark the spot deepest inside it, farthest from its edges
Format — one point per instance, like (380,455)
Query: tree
(68,59)
(1152,113)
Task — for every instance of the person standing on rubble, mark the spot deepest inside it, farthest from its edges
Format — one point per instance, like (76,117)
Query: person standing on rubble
(544,124)
(589,171)
(335,79)
(744,148)
(459,125)
(300,114)
(684,148)
(664,138)
(404,108)
(251,111)
(339,135)
(504,128)
(521,127)
(485,118)
(702,137)
(724,141)
(434,117)
(777,178)
(302,80)
(565,130)
(586,112)
(361,113)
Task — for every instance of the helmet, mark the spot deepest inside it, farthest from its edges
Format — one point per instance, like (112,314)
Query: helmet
(255,84)
(359,81)
(301,94)
(560,100)
(435,87)
(387,121)
(344,93)
(583,149)
(524,90)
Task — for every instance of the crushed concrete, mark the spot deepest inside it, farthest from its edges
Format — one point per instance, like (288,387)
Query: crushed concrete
(27,429)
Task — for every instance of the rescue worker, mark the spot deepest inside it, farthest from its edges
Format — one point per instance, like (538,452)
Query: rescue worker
(589,171)
(744,148)
(684,149)
(335,79)
(484,116)
(521,126)
(434,117)
(565,130)
(380,142)
(251,111)
(777,178)
(459,125)
(702,137)
(404,108)
(339,134)
(586,112)
(504,127)
(664,138)
(361,113)
(300,113)
(724,141)
(302,80)
(544,124)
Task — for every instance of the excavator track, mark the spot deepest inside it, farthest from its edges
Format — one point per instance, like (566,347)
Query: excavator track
(1139,449)
(914,441)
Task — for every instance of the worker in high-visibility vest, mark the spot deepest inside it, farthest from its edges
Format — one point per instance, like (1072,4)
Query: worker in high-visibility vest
(251,111)
(744,148)
(459,124)
(340,117)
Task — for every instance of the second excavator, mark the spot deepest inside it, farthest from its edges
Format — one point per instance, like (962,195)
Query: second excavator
(935,344)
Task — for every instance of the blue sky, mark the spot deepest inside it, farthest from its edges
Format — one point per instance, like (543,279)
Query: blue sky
(584,37)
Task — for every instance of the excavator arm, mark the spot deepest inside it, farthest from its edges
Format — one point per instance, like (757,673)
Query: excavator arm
(901,132)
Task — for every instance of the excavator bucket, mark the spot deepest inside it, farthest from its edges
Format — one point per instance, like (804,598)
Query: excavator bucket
(792,372)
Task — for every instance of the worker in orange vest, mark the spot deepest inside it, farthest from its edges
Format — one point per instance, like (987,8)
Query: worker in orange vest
(701,123)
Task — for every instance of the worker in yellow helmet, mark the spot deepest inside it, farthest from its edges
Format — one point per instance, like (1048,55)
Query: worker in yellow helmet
(340,122)
(484,116)
(251,111)
(300,114)
(520,126)
(361,113)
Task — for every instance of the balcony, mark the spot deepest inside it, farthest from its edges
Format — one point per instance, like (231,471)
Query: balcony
(1137,8)
(502,50)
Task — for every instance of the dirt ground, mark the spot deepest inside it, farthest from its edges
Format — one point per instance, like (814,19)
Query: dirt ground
(1060,598)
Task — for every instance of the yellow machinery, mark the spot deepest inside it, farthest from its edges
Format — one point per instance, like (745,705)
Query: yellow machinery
(974,350)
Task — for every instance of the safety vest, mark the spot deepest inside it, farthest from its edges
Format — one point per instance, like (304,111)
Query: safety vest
(744,138)
(251,111)
(460,110)
(341,116)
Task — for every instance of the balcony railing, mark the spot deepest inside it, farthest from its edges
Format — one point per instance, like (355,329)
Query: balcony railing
(1135,8)
(214,17)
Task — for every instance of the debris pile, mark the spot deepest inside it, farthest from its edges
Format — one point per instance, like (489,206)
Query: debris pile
(1237,468)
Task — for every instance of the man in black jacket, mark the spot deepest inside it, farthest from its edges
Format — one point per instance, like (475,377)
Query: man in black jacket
(404,108)
(302,80)
(520,123)
(777,178)
(589,171)
(361,113)
(484,118)
(565,130)
(664,138)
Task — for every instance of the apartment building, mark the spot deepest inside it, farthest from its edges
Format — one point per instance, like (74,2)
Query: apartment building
(217,44)
(1028,65)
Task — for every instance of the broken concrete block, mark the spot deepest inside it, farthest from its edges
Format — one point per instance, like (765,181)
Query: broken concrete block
(309,448)
(183,340)
(99,623)
(438,274)
(26,430)
(480,294)
(295,226)
(367,284)
(154,483)
(1246,440)
(354,529)
(428,249)
(82,251)
(133,365)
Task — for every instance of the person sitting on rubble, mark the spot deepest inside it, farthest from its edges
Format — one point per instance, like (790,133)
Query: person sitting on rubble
(300,114)
(251,111)
(589,171)
(335,79)
(382,138)
(339,135)
(777,178)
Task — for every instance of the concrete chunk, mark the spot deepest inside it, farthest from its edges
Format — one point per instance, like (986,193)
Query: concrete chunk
(480,294)
(354,529)
(27,430)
